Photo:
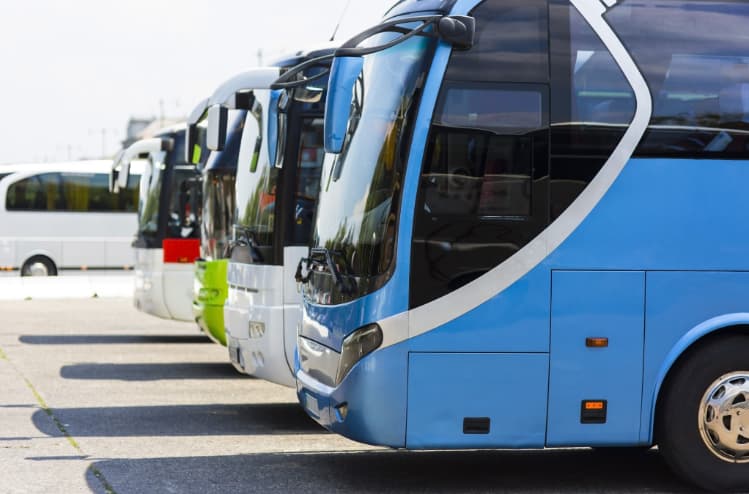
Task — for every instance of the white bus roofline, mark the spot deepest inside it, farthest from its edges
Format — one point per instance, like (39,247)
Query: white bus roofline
(121,164)
(226,94)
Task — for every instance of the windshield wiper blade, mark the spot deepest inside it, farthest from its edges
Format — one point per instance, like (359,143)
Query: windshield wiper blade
(323,257)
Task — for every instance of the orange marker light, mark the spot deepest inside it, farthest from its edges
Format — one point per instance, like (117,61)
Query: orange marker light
(596,342)
(594,405)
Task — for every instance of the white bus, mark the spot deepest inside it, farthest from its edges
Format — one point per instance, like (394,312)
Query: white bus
(167,233)
(61,216)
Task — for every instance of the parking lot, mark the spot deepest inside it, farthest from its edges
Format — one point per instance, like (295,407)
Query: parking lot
(97,397)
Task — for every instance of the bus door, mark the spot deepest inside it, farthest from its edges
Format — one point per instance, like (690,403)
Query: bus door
(596,357)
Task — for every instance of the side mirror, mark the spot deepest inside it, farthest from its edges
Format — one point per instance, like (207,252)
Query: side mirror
(218,120)
(343,75)
(192,134)
(279,103)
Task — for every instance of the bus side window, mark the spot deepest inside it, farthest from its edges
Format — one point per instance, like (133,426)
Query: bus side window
(591,106)
(37,193)
(483,192)
(699,76)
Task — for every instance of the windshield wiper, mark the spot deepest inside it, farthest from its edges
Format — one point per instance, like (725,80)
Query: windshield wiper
(247,238)
(323,258)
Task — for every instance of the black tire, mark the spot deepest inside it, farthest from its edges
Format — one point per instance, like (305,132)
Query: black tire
(26,269)
(678,414)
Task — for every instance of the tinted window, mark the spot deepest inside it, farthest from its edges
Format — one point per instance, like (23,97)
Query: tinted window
(591,106)
(37,193)
(90,192)
(482,194)
(311,154)
(695,57)
(511,44)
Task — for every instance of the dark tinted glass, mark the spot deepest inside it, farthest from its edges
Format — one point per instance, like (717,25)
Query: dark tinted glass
(511,44)
(311,154)
(591,106)
(218,212)
(482,194)
(36,193)
(695,57)
(183,220)
(90,192)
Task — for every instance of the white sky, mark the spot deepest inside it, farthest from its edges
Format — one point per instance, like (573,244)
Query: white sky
(72,72)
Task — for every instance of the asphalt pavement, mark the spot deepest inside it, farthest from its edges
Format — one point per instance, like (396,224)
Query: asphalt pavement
(97,397)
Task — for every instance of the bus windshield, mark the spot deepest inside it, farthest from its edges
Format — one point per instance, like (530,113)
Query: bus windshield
(150,190)
(256,182)
(360,188)
(218,212)
(168,187)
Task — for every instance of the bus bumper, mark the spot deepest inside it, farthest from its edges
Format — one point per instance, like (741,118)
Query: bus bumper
(255,340)
(210,320)
(209,292)
(368,405)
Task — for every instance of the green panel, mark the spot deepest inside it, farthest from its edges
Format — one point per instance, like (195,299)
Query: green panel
(210,292)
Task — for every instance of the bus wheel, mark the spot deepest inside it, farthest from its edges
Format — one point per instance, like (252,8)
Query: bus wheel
(39,266)
(703,416)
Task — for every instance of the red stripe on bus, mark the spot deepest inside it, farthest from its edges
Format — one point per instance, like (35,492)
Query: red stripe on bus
(181,250)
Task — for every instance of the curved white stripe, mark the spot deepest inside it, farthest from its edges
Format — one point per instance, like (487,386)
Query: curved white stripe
(457,303)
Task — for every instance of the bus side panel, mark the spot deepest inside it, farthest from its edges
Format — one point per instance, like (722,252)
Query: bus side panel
(27,248)
(514,321)
(476,400)
(677,302)
(7,254)
(80,254)
(596,304)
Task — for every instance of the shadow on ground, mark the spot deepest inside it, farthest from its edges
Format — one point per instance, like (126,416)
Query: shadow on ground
(579,471)
(181,420)
(109,339)
(151,372)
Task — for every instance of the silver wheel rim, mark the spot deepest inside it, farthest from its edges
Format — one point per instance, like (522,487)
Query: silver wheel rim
(724,417)
(38,269)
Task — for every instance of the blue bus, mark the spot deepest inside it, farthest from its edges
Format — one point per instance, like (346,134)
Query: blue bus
(532,232)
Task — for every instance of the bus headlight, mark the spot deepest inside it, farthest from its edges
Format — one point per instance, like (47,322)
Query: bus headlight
(356,346)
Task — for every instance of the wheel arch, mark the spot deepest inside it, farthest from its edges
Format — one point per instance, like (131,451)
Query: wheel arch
(39,253)
(691,341)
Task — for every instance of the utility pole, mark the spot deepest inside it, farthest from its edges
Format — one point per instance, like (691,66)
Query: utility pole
(161,112)
(260,57)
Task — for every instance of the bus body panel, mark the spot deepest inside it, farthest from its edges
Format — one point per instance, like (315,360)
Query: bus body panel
(254,319)
(210,293)
(596,304)
(148,292)
(376,402)
(682,307)
(178,286)
(448,389)
(163,289)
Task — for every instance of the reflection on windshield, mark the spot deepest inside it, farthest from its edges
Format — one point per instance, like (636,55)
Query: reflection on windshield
(256,177)
(150,191)
(361,186)
(218,210)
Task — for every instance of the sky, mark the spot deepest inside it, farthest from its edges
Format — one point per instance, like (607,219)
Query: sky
(72,72)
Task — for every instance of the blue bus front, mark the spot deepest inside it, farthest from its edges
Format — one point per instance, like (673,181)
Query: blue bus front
(505,251)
